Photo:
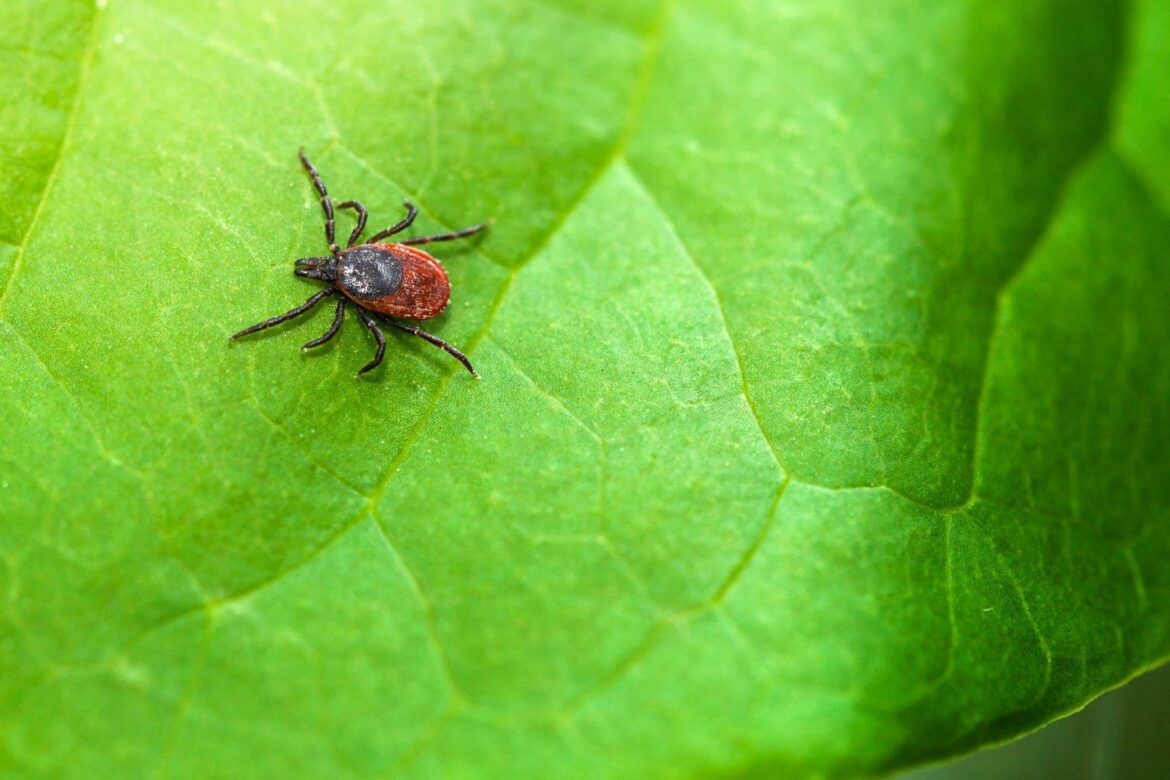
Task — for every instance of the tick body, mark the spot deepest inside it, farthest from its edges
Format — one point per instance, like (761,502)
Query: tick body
(394,279)
(390,281)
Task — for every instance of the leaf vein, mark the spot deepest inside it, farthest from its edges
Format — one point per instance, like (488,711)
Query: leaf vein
(428,606)
(85,63)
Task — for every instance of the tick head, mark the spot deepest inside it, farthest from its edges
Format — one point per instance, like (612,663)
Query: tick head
(321,268)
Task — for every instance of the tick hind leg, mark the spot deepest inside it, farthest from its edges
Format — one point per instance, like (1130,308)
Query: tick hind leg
(378,337)
(288,315)
(338,318)
(326,204)
(471,231)
(433,339)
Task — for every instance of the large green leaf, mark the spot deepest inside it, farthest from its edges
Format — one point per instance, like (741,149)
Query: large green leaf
(825,412)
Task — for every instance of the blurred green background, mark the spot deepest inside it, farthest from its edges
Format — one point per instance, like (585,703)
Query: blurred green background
(1121,736)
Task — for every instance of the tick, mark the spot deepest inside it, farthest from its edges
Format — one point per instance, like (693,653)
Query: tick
(391,281)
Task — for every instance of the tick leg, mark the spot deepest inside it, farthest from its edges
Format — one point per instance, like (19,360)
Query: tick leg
(378,337)
(403,224)
(433,339)
(326,204)
(288,315)
(361,219)
(336,326)
(471,231)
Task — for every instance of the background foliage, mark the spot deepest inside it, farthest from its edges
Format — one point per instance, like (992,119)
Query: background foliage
(1120,736)
(825,400)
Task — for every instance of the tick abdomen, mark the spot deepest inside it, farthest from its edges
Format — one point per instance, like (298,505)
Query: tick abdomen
(395,280)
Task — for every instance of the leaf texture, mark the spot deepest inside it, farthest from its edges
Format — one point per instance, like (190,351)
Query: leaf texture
(823,428)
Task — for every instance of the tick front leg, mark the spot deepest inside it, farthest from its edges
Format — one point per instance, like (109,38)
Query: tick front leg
(471,231)
(336,326)
(326,204)
(288,315)
(378,337)
(438,342)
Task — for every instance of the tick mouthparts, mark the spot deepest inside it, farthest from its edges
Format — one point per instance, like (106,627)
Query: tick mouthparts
(314,267)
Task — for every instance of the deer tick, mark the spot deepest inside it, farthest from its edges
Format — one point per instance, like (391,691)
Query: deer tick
(388,280)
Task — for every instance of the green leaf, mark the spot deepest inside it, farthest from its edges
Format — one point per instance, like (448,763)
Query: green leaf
(823,427)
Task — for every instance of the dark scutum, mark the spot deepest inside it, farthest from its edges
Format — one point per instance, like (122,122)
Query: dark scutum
(370,272)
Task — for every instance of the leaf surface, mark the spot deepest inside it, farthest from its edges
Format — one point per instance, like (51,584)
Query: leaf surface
(823,427)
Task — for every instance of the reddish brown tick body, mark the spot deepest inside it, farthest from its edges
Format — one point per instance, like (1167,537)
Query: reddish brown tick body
(387,279)
(392,279)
